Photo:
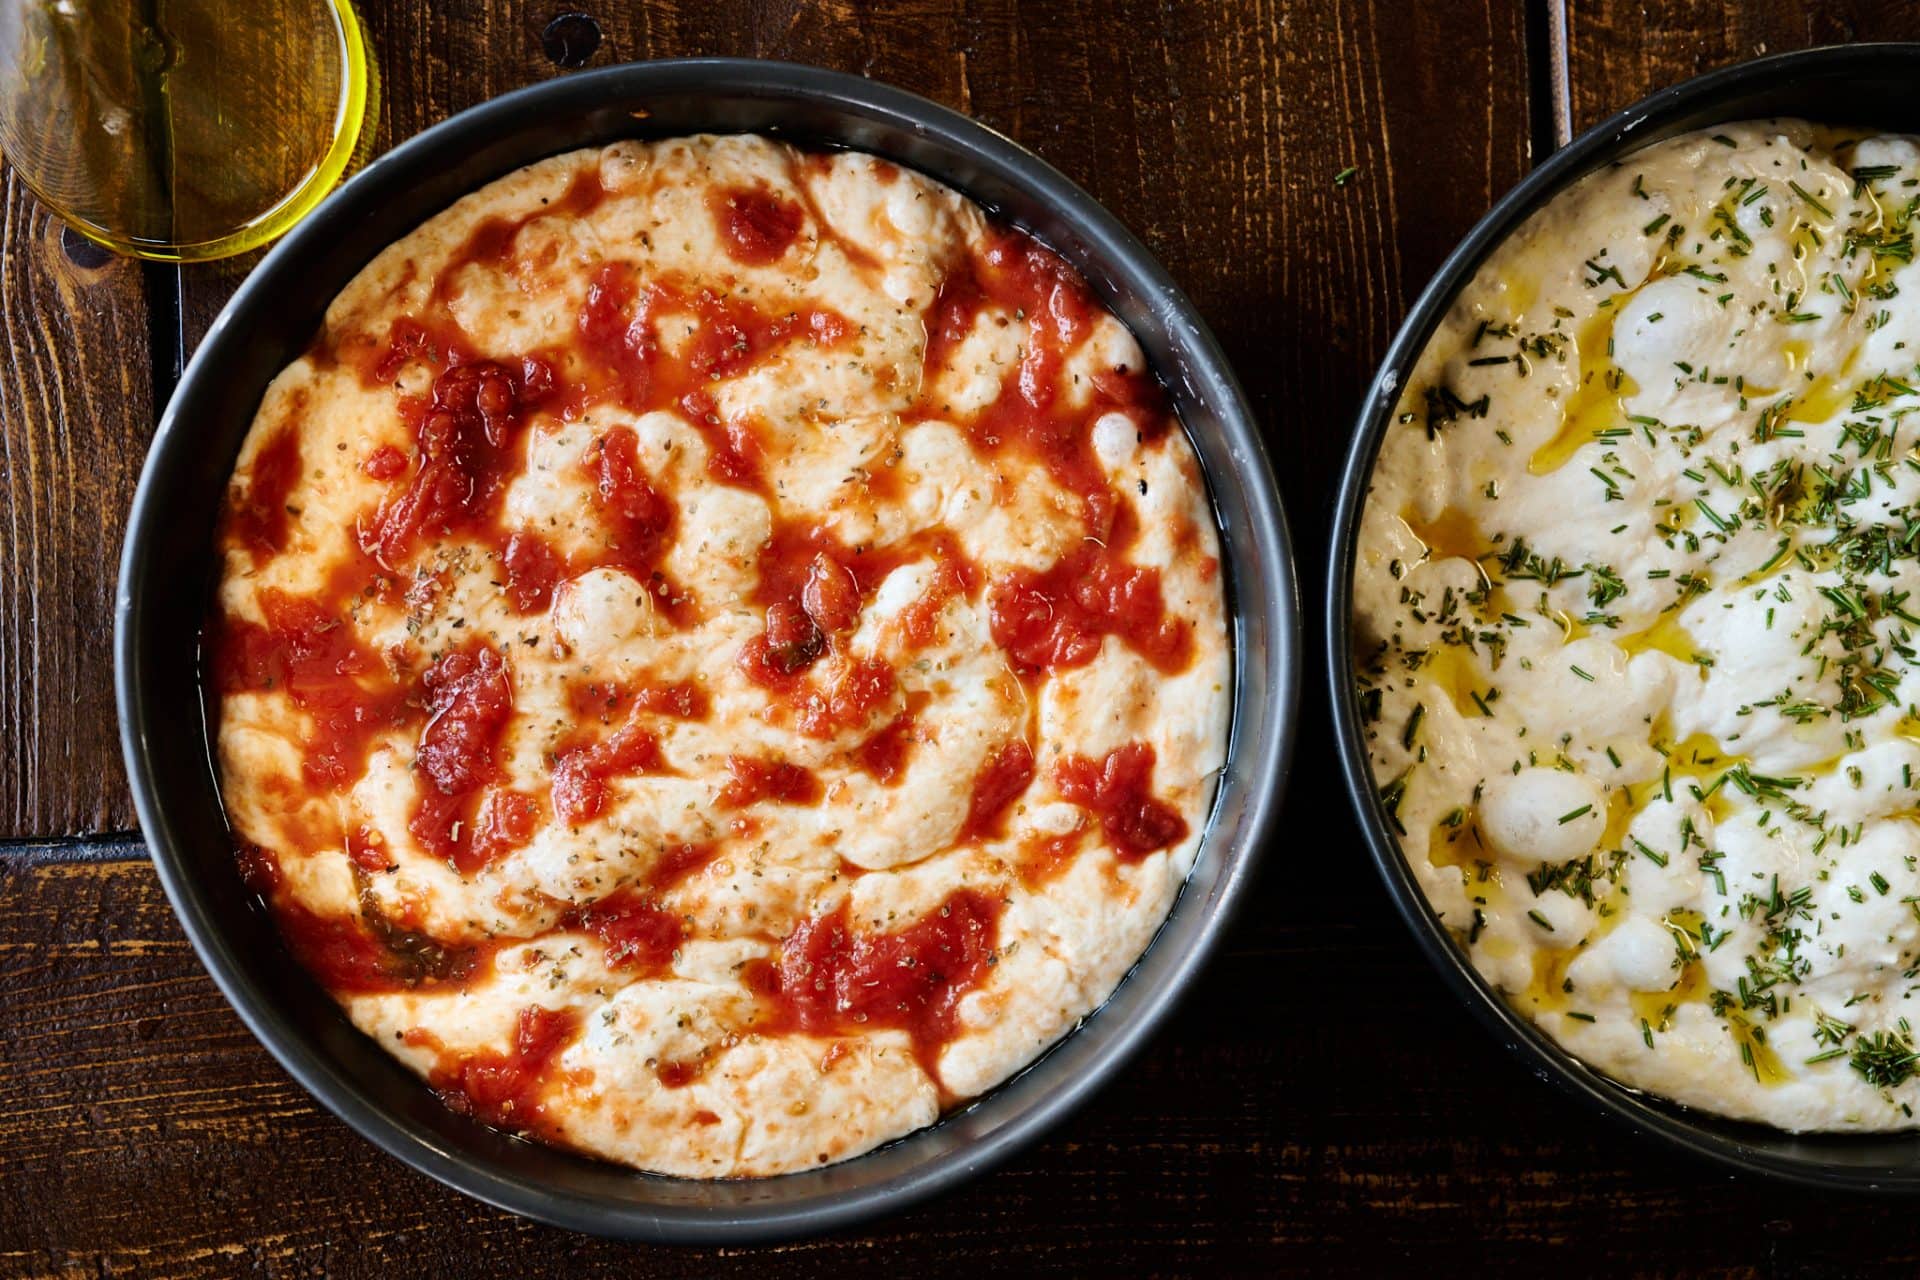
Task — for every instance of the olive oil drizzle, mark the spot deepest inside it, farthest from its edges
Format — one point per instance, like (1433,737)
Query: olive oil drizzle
(1816,535)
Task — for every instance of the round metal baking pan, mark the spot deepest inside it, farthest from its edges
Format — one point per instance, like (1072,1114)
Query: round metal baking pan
(167,571)
(1860,85)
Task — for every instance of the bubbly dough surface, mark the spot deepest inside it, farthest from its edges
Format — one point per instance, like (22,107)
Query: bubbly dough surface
(1635,622)
(720,654)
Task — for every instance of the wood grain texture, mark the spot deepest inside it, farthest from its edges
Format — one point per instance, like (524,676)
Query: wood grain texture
(76,411)
(1347,1123)
(144,1129)
(1620,51)
(1320,1106)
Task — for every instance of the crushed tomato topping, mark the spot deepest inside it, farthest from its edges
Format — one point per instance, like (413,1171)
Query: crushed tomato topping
(392,651)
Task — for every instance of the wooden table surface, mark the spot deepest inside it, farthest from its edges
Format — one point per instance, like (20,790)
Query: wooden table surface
(1320,1106)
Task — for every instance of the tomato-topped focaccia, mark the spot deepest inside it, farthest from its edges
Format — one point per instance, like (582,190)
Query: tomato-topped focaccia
(720,653)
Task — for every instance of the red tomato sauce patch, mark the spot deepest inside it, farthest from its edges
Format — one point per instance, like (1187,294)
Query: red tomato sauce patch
(1003,779)
(306,649)
(469,698)
(833,979)
(757,225)
(505,1088)
(1118,790)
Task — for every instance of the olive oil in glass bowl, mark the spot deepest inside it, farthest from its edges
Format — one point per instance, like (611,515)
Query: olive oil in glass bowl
(183,130)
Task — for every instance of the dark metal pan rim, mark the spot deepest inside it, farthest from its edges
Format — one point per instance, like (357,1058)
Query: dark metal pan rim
(196,437)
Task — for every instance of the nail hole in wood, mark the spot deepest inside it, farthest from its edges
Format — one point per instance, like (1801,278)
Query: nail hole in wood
(570,39)
(82,252)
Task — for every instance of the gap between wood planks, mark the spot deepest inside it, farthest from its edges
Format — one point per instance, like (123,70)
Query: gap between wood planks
(110,846)
(1551,126)
(1549,91)
(166,329)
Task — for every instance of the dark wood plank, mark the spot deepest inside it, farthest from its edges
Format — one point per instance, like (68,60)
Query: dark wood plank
(76,410)
(1319,1107)
(1294,1118)
(1622,50)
